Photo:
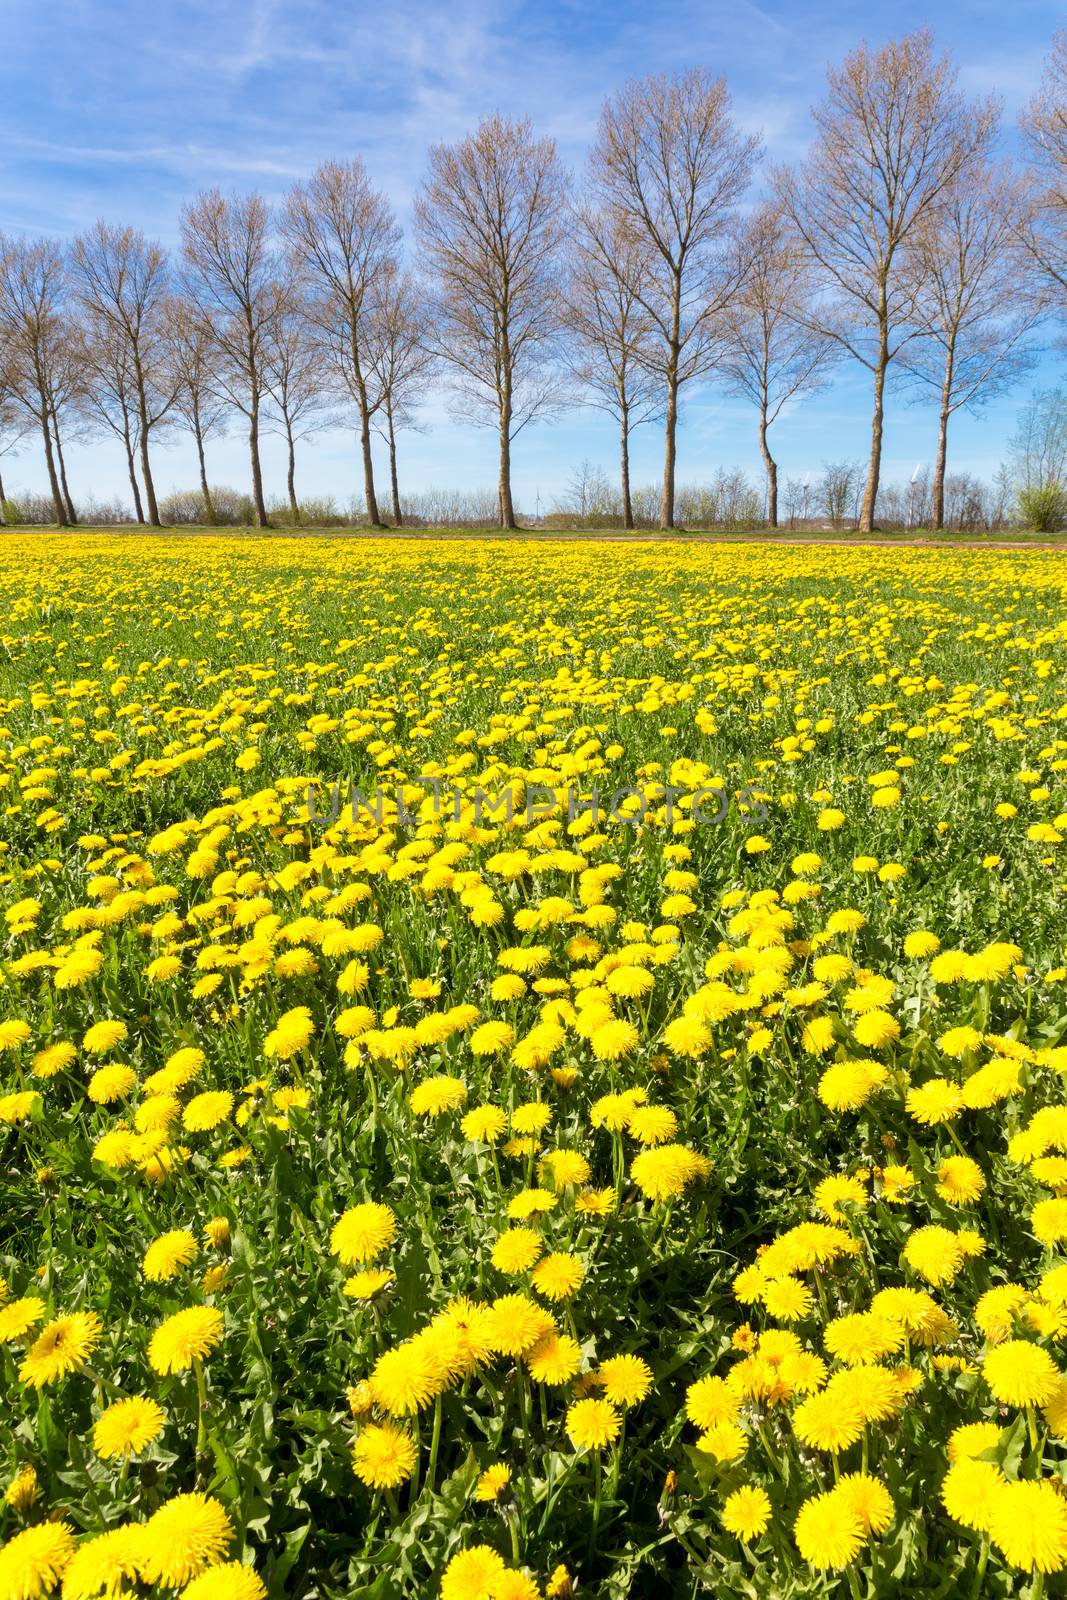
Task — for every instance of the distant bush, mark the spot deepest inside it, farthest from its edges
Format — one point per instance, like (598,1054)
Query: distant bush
(728,501)
(451,508)
(836,491)
(34,510)
(101,513)
(38,510)
(323,512)
(1044,508)
(184,508)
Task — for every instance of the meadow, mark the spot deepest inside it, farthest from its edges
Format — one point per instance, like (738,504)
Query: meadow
(618,1149)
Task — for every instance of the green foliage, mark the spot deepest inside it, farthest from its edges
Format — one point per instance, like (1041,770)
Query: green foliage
(1044,507)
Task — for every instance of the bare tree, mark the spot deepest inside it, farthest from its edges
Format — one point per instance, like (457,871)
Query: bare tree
(591,502)
(111,392)
(123,280)
(343,234)
(13,427)
(1044,128)
(972,308)
(402,361)
(837,488)
(610,353)
(1037,450)
(66,380)
(198,400)
(772,354)
(34,329)
(1037,462)
(892,136)
(671,164)
(490,220)
(232,276)
(295,376)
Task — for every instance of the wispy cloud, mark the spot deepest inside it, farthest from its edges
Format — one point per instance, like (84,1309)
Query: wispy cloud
(187,159)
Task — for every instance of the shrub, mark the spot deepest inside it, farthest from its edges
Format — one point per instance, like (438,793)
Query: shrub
(1044,508)
(184,508)
(321,512)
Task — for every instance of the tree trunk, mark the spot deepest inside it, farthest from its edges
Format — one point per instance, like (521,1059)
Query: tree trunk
(369,496)
(624,456)
(772,470)
(394,482)
(666,510)
(3,497)
(670,447)
(371,499)
(258,503)
(146,469)
(53,481)
(134,485)
(507,510)
(939,469)
(149,486)
(294,509)
(72,515)
(257,472)
(209,504)
(874,465)
(942,439)
(130,465)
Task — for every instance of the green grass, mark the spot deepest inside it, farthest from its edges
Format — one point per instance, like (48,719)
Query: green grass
(139,675)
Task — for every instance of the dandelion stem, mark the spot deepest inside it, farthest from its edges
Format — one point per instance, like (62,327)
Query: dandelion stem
(701,1562)
(950,1130)
(201,1411)
(772,1456)
(979,1571)
(413,1485)
(551,1498)
(435,1440)
(524,1406)
(616,1460)
(597,1480)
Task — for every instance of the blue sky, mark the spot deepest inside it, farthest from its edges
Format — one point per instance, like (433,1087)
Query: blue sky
(122,109)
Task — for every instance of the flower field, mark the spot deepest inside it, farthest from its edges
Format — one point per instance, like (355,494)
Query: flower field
(617,1147)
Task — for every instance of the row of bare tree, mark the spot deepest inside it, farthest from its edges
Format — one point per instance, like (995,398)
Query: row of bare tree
(111,334)
(902,242)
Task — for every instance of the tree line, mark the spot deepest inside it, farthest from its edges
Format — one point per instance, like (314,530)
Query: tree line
(904,241)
